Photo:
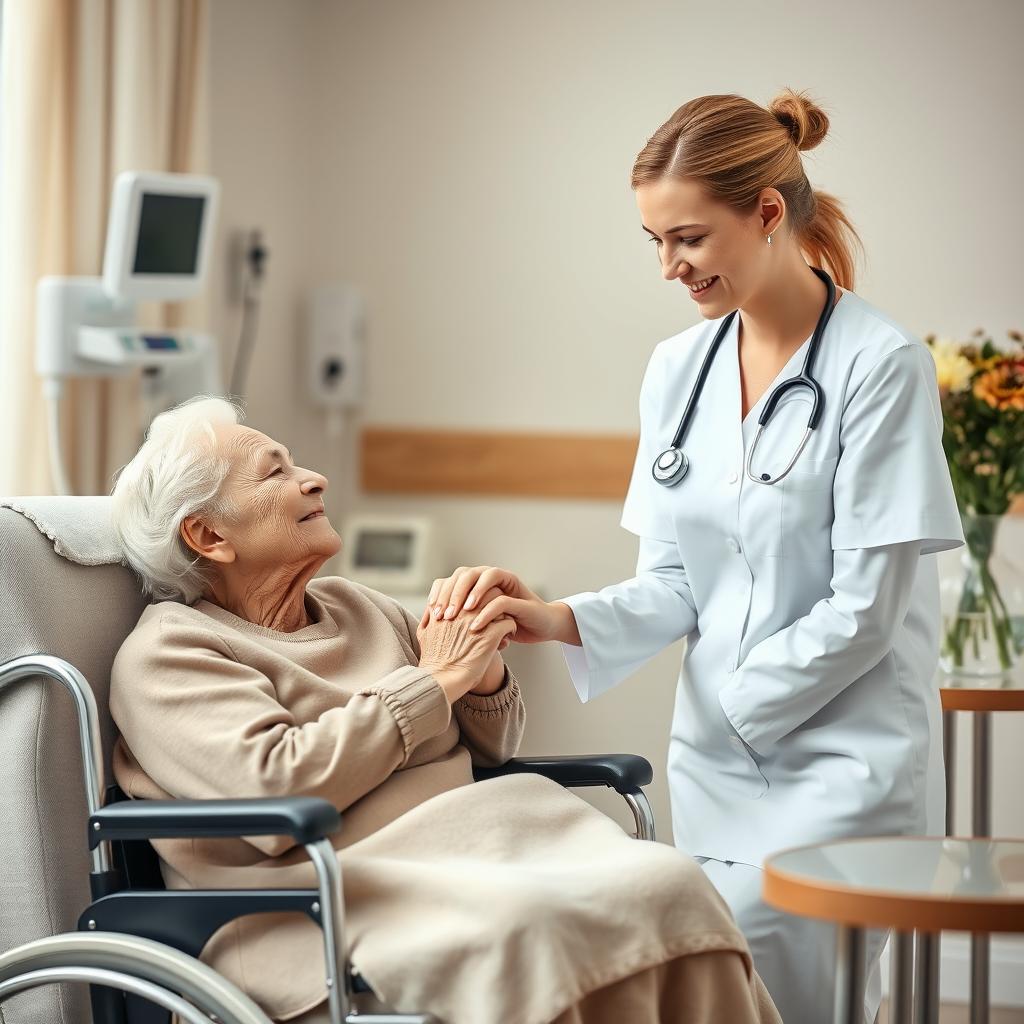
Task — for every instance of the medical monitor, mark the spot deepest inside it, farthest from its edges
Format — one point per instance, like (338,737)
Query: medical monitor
(159,235)
(395,554)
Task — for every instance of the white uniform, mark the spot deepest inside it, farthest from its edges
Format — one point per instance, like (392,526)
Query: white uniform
(807,707)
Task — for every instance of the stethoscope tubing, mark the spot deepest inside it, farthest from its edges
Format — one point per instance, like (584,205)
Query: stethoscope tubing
(672,464)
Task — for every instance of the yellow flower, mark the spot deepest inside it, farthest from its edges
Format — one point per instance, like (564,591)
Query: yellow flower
(1002,387)
(952,369)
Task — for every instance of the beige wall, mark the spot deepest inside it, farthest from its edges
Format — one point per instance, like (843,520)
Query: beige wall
(466,165)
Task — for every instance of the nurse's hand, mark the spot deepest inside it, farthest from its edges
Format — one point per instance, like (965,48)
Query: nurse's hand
(497,592)
(429,612)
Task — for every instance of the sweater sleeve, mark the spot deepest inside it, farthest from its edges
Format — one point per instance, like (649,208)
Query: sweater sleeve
(202,725)
(491,727)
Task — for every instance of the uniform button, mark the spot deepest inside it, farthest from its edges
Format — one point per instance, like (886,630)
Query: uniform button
(733,544)
(732,667)
(733,477)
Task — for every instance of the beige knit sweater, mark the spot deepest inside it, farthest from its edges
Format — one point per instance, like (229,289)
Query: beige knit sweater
(504,901)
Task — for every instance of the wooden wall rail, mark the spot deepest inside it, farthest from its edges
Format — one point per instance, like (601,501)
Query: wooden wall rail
(411,461)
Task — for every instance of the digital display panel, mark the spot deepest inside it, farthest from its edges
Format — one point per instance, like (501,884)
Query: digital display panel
(160,341)
(379,549)
(169,229)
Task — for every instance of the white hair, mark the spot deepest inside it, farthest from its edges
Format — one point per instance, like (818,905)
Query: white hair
(176,473)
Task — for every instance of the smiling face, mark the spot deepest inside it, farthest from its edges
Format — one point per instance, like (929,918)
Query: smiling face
(278,522)
(699,238)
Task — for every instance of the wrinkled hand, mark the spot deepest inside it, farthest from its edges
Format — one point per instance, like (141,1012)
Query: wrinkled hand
(429,611)
(458,657)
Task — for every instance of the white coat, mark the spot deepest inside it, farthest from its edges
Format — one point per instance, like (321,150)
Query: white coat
(807,707)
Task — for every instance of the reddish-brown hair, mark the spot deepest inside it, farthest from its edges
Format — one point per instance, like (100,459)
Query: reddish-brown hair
(734,149)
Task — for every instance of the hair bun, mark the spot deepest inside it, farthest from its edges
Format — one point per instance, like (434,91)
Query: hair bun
(805,121)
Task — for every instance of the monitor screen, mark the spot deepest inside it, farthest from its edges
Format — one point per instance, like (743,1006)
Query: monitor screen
(380,549)
(157,342)
(169,227)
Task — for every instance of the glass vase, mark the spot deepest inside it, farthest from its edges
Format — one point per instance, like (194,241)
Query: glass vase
(983,600)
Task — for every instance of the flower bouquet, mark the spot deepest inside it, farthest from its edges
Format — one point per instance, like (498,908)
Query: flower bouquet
(981,386)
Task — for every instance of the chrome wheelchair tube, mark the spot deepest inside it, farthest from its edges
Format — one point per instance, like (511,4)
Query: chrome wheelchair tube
(88,728)
(391,1018)
(143,959)
(642,814)
(113,979)
(328,873)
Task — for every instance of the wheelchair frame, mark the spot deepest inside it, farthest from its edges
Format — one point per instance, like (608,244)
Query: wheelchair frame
(189,917)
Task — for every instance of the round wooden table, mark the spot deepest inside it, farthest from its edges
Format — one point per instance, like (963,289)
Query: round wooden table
(912,884)
(980,696)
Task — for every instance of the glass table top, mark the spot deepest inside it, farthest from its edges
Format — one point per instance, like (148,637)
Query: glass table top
(910,866)
(1012,680)
(911,883)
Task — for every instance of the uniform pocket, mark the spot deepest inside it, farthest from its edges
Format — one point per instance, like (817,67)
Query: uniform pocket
(807,510)
(741,770)
(755,782)
(811,475)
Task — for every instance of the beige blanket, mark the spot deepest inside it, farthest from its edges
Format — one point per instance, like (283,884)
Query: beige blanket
(504,901)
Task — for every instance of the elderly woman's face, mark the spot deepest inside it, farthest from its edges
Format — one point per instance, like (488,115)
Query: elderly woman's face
(279,513)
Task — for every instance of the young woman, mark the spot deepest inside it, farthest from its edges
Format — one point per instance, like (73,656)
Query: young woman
(798,562)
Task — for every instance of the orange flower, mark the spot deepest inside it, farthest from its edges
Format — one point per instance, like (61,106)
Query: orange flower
(1002,387)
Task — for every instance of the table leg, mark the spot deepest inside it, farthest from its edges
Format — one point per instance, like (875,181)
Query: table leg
(981,819)
(981,796)
(901,986)
(850,971)
(926,981)
(949,761)
(979,979)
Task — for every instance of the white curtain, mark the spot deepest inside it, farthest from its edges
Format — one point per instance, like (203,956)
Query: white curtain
(89,88)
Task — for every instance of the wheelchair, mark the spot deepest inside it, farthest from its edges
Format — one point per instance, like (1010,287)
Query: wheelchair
(82,899)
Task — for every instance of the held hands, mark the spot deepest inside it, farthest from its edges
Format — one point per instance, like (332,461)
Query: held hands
(496,593)
(460,659)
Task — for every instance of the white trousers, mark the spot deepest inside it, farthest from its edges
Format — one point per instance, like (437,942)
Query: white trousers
(795,956)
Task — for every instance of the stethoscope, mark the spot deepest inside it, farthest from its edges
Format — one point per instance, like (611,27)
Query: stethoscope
(671,465)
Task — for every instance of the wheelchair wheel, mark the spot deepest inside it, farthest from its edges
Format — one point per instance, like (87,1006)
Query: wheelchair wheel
(146,968)
(185,1010)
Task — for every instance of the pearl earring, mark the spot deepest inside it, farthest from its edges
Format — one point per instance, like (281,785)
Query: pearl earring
(769,239)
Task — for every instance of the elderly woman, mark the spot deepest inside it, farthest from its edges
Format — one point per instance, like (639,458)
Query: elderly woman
(505,902)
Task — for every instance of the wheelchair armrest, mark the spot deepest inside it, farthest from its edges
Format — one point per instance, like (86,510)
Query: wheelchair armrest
(625,773)
(306,819)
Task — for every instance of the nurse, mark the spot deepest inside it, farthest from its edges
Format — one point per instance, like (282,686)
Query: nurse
(806,708)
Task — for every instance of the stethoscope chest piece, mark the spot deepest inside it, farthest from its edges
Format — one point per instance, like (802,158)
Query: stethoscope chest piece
(670,466)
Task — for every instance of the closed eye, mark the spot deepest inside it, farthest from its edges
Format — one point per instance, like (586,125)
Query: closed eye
(685,241)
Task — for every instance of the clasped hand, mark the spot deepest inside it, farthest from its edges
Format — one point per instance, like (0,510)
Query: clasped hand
(494,593)
(494,606)
(463,660)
